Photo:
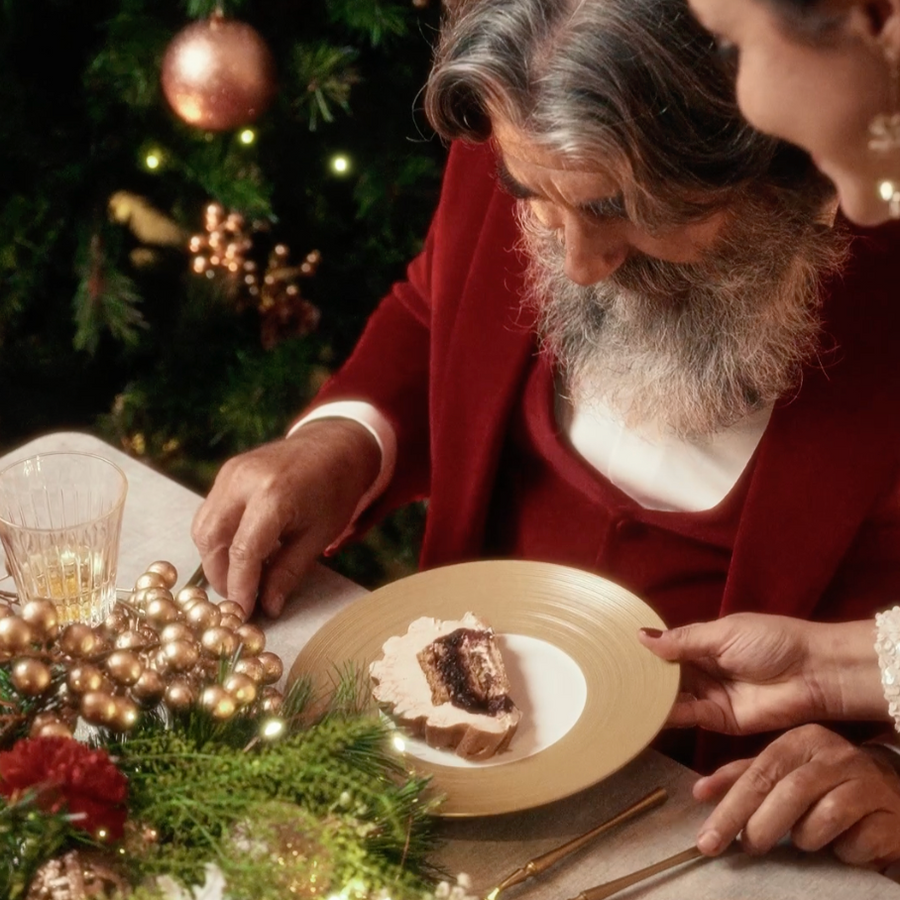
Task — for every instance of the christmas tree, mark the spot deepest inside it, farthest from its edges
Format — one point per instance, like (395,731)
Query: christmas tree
(180,267)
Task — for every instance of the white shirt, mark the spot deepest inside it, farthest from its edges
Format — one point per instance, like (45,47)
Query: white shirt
(655,468)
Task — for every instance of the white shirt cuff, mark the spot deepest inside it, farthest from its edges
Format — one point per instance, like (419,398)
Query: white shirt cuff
(378,426)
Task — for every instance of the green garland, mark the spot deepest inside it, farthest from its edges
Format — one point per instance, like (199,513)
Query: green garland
(322,810)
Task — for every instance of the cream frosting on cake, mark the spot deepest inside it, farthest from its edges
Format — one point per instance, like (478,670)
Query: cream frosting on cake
(444,680)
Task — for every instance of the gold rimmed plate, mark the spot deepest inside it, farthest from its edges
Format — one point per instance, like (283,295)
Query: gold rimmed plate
(591,696)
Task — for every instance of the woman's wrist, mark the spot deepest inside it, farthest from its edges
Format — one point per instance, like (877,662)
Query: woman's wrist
(844,664)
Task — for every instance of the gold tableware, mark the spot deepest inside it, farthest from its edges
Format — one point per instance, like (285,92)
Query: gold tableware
(542,863)
(587,627)
(198,578)
(607,889)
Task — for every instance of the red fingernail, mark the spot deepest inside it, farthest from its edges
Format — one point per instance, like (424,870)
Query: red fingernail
(651,632)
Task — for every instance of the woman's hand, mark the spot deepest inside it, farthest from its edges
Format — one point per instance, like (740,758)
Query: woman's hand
(751,672)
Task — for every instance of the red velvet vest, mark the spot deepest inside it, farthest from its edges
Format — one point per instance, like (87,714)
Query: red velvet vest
(676,562)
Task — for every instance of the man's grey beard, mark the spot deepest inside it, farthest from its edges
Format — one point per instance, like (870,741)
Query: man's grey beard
(693,348)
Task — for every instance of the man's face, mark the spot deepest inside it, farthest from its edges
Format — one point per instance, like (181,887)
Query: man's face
(584,208)
(689,329)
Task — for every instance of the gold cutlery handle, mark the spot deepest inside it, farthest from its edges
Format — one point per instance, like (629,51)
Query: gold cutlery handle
(607,889)
(198,578)
(654,798)
(542,863)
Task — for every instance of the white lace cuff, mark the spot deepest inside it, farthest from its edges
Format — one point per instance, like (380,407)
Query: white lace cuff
(887,646)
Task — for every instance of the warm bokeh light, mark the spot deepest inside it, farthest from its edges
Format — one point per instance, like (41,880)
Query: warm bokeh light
(340,164)
(273,728)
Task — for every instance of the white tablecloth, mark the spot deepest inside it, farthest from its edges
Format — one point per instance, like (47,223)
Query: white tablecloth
(158,514)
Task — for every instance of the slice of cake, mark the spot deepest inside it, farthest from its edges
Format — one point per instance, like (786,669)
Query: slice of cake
(445,681)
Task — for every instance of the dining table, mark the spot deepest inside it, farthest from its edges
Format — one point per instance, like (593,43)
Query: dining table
(156,526)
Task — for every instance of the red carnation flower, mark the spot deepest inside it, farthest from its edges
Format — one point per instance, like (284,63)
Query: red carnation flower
(70,777)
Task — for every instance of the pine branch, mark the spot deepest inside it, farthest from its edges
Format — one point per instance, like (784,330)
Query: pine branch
(324,75)
(339,770)
(227,173)
(203,9)
(378,19)
(105,300)
(126,69)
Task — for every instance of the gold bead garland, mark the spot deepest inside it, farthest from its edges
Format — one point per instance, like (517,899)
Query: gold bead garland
(154,647)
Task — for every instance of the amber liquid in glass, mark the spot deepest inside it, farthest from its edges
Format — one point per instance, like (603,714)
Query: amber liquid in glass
(76,580)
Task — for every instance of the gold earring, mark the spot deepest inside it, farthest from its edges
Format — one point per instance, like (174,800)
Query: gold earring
(889,191)
(884,129)
(884,132)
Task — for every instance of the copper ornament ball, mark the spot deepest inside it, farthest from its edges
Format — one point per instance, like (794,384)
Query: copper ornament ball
(98,708)
(218,74)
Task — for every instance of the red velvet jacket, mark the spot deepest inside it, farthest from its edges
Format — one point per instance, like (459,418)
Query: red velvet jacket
(814,527)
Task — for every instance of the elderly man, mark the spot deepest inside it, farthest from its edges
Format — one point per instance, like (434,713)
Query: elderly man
(613,351)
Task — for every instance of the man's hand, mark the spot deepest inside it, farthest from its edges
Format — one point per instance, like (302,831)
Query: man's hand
(817,787)
(273,510)
(751,672)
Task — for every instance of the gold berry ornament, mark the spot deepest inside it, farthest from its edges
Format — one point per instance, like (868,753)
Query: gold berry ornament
(124,667)
(218,74)
(78,640)
(31,677)
(181,651)
(179,696)
(230,608)
(98,708)
(41,616)
(149,689)
(252,638)
(83,679)
(272,666)
(16,635)
(242,688)
(218,702)
(166,570)
(181,656)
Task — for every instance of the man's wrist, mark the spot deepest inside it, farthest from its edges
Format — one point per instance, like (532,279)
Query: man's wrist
(353,453)
(358,418)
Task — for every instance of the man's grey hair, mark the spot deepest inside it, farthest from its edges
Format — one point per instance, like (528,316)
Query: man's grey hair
(632,87)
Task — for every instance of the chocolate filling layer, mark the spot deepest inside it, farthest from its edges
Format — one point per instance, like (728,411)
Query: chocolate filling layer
(466,666)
